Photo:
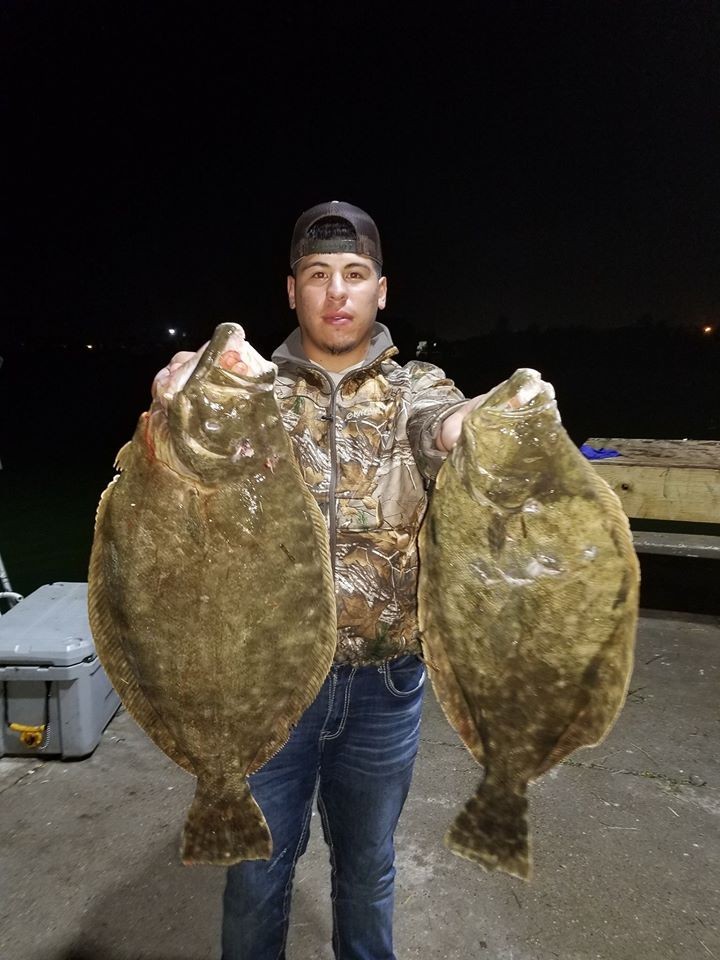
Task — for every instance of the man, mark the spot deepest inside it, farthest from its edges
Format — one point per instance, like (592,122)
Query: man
(369,436)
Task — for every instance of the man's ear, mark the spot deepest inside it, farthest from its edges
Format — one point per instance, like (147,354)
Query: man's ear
(382,293)
(291,292)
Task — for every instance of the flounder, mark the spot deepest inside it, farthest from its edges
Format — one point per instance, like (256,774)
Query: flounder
(210,589)
(528,604)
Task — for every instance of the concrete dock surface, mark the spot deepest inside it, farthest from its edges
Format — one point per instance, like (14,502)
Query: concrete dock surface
(626,842)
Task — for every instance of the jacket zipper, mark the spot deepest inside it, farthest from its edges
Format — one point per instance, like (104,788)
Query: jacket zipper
(332,448)
(332,484)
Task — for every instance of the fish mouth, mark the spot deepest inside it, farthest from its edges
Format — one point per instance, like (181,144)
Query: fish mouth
(525,392)
(520,413)
(230,354)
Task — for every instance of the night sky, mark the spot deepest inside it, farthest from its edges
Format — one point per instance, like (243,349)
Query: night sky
(552,163)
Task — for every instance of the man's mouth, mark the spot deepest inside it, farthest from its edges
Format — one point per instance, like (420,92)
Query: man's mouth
(337,319)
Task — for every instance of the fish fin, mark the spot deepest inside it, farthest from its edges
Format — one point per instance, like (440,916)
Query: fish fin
(224,827)
(446,686)
(104,497)
(111,653)
(492,830)
(605,684)
(123,456)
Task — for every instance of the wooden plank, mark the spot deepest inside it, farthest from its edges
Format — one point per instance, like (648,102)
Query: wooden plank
(681,453)
(666,480)
(663,479)
(690,494)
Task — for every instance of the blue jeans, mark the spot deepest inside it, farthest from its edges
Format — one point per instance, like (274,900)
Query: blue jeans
(356,744)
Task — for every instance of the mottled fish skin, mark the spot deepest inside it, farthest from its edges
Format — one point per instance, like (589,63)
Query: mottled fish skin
(528,604)
(211,599)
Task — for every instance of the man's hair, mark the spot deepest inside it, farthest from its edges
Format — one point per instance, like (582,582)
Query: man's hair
(331,228)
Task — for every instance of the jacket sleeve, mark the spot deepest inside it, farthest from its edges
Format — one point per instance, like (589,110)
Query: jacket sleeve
(433,397)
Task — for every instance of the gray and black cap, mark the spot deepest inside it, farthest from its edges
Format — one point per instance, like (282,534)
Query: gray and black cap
(363,239)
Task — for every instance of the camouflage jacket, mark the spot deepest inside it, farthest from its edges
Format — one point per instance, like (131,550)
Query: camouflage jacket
(366,450)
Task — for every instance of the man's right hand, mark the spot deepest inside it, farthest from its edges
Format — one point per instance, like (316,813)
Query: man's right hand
(449,432)
(175,375)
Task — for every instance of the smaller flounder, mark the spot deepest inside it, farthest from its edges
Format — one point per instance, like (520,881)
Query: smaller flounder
(528,605)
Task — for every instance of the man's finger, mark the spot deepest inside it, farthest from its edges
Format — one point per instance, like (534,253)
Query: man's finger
(182,356)
(231,360)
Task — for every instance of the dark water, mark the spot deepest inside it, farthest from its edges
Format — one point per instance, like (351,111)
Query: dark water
(66,413)
(65,416)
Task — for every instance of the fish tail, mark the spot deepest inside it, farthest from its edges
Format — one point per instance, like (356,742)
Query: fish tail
(225,826)
(492,830)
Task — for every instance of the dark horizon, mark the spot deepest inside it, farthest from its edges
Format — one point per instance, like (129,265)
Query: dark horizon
(68,412)
(644,380)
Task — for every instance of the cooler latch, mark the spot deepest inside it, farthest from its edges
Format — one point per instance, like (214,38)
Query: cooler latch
(29,736)
(33,736)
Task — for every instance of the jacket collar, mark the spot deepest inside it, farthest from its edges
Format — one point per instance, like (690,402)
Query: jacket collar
(291,351)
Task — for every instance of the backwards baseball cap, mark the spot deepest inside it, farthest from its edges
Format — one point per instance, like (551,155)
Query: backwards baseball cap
(362,238)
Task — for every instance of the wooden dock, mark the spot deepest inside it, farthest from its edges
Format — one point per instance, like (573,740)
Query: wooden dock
(666,480)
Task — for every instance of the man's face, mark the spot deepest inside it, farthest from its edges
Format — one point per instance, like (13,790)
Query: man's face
(336,296)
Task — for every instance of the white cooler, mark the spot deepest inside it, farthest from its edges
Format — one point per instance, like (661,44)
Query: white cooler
(55,697)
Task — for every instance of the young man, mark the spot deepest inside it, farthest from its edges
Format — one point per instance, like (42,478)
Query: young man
(369,436)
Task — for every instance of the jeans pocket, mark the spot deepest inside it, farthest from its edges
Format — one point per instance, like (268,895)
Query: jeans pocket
(404,676)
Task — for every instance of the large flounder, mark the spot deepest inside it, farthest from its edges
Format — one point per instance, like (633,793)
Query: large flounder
(528,604)
(211,599)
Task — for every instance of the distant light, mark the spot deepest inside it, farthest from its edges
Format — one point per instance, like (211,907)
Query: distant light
(708,329)
(89,346)
(172,331)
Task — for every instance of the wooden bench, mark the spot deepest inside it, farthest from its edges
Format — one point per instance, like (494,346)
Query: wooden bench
(676,481)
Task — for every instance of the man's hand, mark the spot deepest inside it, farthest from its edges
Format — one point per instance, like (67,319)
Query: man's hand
(449,432)
(450,428)
(175,375)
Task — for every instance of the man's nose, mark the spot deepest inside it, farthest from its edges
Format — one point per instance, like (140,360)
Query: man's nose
(337,288)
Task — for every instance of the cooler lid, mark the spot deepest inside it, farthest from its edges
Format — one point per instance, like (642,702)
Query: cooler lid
(49,627)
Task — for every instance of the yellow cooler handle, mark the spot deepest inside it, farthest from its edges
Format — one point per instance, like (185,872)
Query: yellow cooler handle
(29,736)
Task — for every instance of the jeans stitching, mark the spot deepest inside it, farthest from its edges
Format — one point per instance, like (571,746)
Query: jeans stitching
(343,719)
(288,885)
(331,697)
(400,694)
(328,835)
(331,703)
